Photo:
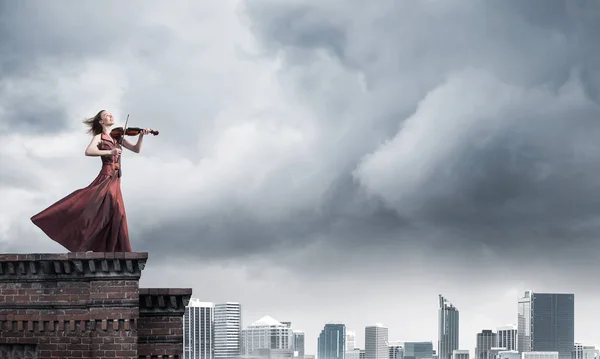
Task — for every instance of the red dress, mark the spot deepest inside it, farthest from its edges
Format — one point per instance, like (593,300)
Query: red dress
(92,218)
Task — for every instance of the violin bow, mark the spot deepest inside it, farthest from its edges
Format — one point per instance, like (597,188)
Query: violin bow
(121,144)
(124,130)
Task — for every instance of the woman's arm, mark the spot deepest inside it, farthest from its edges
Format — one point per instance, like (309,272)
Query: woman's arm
(138,145)
(92,148)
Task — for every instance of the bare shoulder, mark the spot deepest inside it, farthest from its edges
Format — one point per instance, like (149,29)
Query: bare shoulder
(96,139)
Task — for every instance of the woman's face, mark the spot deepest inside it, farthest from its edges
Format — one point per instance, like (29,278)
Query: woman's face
(107,119)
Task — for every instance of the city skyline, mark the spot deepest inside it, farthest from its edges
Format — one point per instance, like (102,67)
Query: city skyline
(318,161)
(490,333)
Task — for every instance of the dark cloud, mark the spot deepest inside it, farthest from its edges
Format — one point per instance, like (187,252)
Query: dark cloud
(498,98)
(34,111)
(533,180)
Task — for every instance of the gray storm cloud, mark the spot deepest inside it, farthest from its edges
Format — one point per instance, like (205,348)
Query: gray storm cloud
(393,126)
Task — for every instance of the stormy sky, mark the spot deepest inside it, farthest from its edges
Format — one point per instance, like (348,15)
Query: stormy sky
(324,161)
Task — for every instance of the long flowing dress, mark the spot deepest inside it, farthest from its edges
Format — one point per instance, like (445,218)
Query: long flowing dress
(92,218)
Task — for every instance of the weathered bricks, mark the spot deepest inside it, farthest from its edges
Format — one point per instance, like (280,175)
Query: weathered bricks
(85,305)
(160,330)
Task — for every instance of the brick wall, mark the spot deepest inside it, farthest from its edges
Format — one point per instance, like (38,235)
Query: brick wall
(82,305)
(160,328)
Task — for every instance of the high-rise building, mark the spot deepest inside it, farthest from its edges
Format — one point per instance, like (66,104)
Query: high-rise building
(350,340)
(298,343)
(507,337)
(524,323)
(553,317)
(486,340)
(198,329)
(331,343)
(376,342)
(448,324)
(266,333)
(418,350)
(228,330)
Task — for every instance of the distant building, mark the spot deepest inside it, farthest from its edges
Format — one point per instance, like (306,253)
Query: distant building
(198,330)
(486,340)
(540,355)
(507,337)
(581,351)
(418,350)
(331,343)
(553,316)
(509,354)
(266,333)
(577,351)
(353,354)
(495,351)
(350,340)
(460,354)
(396,350)
(227,330)
(270,354)
(376,342)
(298,344)
(448,329)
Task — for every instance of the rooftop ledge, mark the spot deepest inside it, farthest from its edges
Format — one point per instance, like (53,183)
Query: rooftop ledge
(29,257)
(160,301)
(36,267)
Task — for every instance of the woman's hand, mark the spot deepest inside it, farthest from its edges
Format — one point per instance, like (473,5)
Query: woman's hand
(145,131)
(115,152)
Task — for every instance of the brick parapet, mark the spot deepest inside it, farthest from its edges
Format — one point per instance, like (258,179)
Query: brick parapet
(86,305)
(160,330)
(71,305)
(71,266)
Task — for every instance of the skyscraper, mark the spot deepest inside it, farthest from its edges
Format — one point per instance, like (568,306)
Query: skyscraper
(486,340)
(524,323)
(448,321)
(227,330)
(332,342)
(198,330)
(553,317)
(507,337)
(376,342)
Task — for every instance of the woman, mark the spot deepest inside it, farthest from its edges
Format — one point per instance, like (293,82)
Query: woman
(93,218)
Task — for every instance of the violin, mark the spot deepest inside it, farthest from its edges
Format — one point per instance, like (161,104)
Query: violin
(117,132)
